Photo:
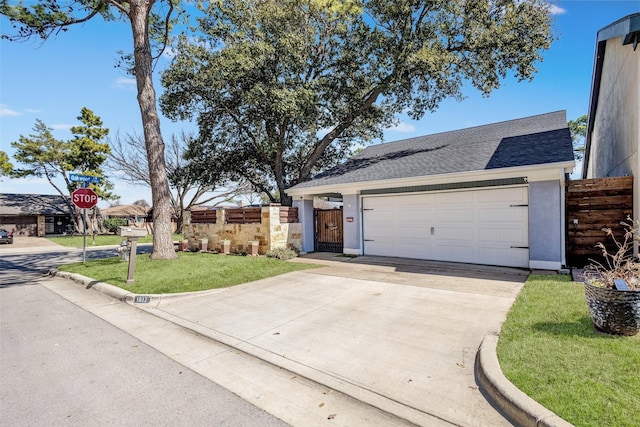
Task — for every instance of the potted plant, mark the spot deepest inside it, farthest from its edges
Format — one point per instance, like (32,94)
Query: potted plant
(612,287)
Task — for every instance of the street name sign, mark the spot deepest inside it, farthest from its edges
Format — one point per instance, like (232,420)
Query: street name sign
(75,177)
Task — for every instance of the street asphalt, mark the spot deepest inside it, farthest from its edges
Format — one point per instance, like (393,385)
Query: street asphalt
(360,341)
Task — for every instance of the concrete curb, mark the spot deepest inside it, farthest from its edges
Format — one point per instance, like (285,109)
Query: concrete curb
(88,283)
(515,404)
(123,295)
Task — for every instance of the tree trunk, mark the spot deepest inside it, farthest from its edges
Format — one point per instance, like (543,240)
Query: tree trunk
(160,193)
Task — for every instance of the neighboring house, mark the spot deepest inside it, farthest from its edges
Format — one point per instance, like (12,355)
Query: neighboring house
(133,214)
(613,129)
(490,194)
(35,214)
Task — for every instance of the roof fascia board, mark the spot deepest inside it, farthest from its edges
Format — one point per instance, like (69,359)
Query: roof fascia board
(546,172)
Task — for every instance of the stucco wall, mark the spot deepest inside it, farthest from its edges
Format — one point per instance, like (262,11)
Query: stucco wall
(306,218)
(614,143)
(351,224)
(270,233)
(545,224)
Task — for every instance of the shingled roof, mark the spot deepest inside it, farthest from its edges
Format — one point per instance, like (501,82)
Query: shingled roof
(531,140)
(33,204)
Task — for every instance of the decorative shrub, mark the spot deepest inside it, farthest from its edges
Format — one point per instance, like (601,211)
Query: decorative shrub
(281,253)
(112,224)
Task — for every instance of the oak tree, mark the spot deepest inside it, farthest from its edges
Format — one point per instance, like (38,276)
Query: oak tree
(282,89)
(150,22)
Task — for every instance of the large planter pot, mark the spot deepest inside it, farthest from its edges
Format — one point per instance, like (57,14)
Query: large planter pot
(613,311)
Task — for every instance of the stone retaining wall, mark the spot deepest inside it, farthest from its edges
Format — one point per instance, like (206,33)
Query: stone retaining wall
(270,232)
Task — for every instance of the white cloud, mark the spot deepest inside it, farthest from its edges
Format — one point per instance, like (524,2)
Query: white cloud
(60,126)
(5,111)
(32,110)
(556,10)
(124,82)
(402,127)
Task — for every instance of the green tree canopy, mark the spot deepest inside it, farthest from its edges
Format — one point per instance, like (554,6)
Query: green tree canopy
(6,167)
(42,155)
(283,89)
(578,129)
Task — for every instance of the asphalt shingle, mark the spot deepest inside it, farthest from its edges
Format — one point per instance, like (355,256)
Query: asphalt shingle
(527,141)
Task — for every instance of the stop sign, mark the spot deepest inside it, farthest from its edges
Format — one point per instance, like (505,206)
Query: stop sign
(84,198)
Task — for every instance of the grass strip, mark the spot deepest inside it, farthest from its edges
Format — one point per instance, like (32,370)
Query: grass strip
(191,271)
(549,350)
(101,240)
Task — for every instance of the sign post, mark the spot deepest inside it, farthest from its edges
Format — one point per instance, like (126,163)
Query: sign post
(84,198)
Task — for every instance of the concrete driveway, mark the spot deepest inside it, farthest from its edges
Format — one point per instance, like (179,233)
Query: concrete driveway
(401,335)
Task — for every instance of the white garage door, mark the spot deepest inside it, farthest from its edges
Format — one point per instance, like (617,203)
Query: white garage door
(472,226)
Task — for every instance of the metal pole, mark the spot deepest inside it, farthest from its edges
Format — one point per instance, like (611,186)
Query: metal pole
(84,237)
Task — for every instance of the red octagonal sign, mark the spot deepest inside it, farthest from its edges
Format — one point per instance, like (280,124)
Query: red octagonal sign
(84,198)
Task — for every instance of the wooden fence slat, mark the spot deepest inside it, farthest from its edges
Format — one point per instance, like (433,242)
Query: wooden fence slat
(204,217)
(596,204)
(244,216)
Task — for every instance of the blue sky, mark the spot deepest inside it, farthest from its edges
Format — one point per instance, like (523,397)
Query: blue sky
(52,81)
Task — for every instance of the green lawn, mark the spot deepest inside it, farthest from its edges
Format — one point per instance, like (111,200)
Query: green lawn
(101,240)
(192,271)
(549,350)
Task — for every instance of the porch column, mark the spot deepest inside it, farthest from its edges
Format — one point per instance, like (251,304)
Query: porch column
(546,217)
(305,216)
(352,239)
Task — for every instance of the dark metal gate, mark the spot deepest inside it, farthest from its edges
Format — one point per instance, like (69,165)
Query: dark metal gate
(328,230)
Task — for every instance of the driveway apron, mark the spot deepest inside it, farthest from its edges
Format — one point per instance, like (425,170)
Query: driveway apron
(403,332)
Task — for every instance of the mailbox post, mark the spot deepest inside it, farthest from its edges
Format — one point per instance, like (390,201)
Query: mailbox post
(132,234)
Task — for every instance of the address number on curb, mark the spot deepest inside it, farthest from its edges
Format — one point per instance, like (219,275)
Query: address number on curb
(141,299)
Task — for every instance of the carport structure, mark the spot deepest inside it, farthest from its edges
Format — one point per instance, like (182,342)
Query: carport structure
(491,194)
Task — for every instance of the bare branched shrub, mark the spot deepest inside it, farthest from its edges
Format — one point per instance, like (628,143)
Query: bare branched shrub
(621,264)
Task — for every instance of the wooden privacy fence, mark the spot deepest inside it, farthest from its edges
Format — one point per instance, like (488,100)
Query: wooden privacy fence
(244,216)
(594,204)
(203,217)
(288,215)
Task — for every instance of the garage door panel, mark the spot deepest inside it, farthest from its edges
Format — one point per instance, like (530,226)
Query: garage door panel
(507,214)
(455,253)
(511,195)
(508,257)
(460,215)
(502,235)
(463,234)
(475,226)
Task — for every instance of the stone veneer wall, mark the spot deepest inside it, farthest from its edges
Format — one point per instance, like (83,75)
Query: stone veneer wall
(270,233)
